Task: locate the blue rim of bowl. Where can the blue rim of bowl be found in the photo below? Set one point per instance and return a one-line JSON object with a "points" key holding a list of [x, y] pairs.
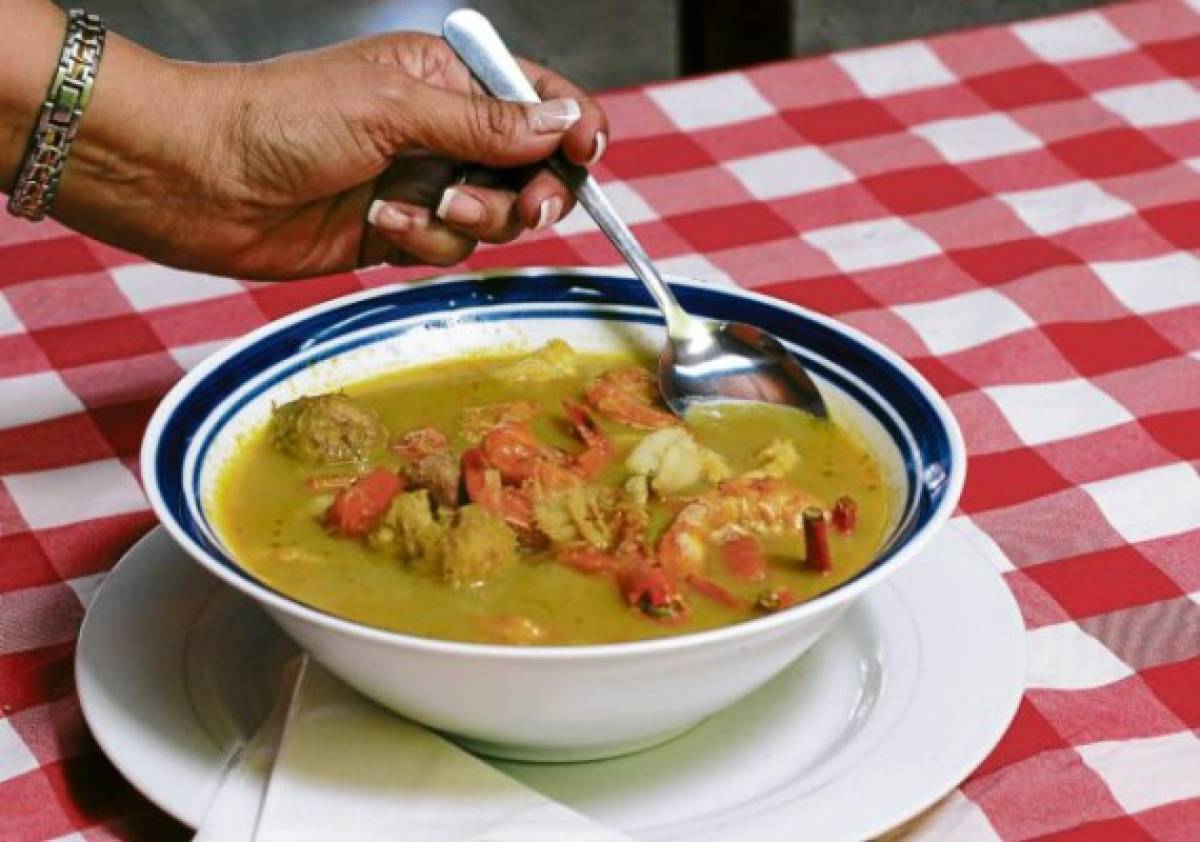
{"points": [[193, 413]]}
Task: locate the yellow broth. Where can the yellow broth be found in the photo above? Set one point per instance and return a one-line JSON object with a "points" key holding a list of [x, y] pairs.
{"points": [[272, 521]]}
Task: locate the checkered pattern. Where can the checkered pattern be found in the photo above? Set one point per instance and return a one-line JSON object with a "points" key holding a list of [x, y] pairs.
{"points": [[1016, 210]]}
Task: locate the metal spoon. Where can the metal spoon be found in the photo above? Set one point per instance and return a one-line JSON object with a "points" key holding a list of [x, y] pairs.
{"points": [[703, 361]]}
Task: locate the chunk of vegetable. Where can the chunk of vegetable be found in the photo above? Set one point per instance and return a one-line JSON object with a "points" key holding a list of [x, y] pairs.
{"points": [[554, 360], [327, 430], [652, 591], [777, 459], [674, 461], [584, 513], [410, 529], [816, 539], [774, 599], [637, 489], [845, 514], [356, 510]]}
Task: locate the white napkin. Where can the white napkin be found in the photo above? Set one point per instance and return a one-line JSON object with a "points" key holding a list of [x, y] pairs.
{"points": [[350, 771]]}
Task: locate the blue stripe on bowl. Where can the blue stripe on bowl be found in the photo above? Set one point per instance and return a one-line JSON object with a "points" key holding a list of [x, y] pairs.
{"points": [[870, 379]]}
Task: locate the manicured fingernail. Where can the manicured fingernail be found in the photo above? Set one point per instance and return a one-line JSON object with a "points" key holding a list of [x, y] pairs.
{"points": [[388, 217], [554, 116], [548, 212], [460, 207], [599, 145]]}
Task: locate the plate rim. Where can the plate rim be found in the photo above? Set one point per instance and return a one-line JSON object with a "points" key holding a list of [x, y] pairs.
{"points": [[1001, 717]]}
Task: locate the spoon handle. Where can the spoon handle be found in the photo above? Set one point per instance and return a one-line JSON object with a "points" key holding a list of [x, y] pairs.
{"points": [[478, 44]]}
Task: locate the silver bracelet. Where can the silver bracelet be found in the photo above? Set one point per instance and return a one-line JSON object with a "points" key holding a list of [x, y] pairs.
{"points": [[36, 187]]}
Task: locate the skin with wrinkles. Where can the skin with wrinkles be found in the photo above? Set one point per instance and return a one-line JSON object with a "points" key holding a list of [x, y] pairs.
{"points": [[267, 170]]}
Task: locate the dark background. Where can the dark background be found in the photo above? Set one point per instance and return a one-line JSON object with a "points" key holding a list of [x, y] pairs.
{"points": [[598, 43]]}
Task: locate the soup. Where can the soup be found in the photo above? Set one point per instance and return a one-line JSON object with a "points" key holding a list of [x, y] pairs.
{"points": [[547, 498]]}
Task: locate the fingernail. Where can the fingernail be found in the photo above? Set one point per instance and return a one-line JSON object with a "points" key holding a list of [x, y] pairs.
{"points": [[548, 212], [601, 143], [460, 207], [388, 217], [554, 115]]}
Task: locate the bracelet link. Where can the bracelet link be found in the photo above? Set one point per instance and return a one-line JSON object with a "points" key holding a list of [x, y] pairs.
{"points": [[37, 185]]}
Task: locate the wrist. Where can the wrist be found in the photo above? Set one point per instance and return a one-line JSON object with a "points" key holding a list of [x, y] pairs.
{"points": [[29, 52], [143, 164]]}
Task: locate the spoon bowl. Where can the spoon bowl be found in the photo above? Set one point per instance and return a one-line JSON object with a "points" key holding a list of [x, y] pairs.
{"points": [[702, 362], [734, 361]]}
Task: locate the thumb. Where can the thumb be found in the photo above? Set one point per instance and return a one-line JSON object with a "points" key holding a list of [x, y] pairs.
{"points": [[484, 130]]}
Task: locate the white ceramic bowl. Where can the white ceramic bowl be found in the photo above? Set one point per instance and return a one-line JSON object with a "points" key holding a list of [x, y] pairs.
{"points": [[542, 703]]}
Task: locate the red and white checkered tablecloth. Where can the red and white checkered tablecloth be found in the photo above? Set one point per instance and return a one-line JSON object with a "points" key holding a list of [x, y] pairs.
{"points": [[1016, 210]]}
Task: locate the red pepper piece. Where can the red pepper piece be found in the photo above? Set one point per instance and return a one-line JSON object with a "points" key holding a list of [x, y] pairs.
{"points": [[597, 450], [652, 591], [475, 475], [845, 514], [711, 590], [744, 559], [816, 539], [356, 510]]}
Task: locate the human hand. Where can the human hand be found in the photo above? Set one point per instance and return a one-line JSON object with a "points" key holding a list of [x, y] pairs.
{"points": [[271, 170]]}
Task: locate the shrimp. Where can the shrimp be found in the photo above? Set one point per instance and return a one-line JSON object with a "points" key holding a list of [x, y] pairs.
{"points": [[477, 421], [515, 475], [628, 395], [759, 507], [515, 451], [597, 449], [484, 487]]}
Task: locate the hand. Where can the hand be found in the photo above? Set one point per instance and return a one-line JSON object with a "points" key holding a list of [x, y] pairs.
{"points": [[272, 170]]}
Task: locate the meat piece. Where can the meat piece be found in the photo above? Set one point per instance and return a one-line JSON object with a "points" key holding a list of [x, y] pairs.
{"points": [[327, 430], [477, 547], [675, 461], [438, 472], [423, 441]]}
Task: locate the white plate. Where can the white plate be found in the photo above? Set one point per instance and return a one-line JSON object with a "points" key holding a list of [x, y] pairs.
{"points": [[881, 718]]}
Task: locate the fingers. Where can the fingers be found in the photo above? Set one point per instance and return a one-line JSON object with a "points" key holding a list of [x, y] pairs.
{"points": [[413, 232], [485, 214], [480, 129], [585, 141], [543, 201]]}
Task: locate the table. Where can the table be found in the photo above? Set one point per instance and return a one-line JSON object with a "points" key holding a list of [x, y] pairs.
{"points": [[1016, 210]]}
